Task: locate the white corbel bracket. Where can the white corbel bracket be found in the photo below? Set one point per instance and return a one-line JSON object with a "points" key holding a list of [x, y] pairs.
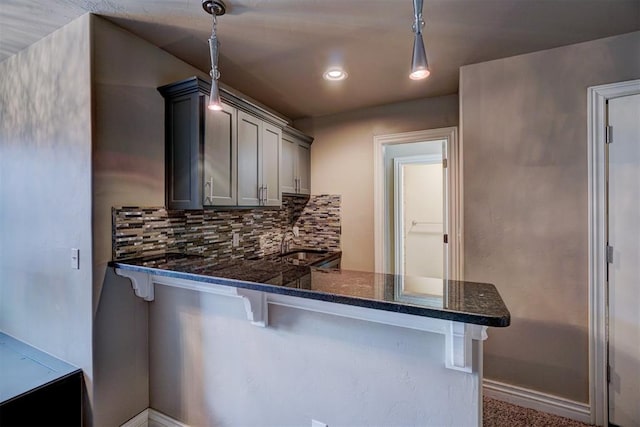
{"points": [[458, 344], [255, 302], [459, 336], [140, 281], [256, 306]]}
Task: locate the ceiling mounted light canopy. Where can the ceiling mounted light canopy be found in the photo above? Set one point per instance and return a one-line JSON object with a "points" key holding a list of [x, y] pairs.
{"points": [[215, 8], [334, 74], [419, 64]]}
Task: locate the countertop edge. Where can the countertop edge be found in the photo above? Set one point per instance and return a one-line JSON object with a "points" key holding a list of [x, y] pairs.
{"points": [[397, 307]]}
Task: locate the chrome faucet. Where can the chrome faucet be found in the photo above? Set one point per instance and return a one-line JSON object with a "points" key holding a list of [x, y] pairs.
{"points": [[284, 245]]}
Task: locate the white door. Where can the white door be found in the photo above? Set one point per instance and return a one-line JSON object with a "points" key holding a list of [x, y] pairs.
{"points": [[624, 271], [420, 190]]}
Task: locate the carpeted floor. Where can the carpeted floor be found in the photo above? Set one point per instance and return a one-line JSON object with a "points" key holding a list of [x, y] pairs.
{"points": [[502, 414]]}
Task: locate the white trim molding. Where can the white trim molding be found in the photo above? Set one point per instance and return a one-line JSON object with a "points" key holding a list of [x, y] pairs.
{"points": [[144, 418], [458, 336], [454, 170], [539, 401], [597, 121], [140, 420]]}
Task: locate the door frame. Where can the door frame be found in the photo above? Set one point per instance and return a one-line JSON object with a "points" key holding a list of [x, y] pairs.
{"points": [[398, 206], [454, 171], [597, 122]]}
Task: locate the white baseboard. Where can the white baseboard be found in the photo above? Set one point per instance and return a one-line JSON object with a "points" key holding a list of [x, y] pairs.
{"points": [[500, 391], [140, 420], [537, 400], [152, 418]]}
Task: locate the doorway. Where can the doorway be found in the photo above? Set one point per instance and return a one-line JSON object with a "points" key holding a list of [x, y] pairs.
{"points": [[614, 192], [420, 226], [414, 156]]}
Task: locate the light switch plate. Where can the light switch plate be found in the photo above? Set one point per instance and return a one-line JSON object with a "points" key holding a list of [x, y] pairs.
{"points": [[296, 231], [75, 259], [236, 240]]}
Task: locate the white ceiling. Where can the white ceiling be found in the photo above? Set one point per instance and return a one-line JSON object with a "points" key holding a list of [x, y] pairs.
{"points": [[276, 50]]}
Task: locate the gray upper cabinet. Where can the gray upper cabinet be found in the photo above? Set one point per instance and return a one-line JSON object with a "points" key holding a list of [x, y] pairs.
{"points": [[303, 151], [296, 162], [271, 155], [220, 158], [183, 151], [288, 166], [220, 154], [259, 153], [249, 160]]}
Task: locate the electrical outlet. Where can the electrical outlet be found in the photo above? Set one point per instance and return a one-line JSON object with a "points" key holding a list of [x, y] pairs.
{"points": [[296, 231], [316, 423], [235, 240]]}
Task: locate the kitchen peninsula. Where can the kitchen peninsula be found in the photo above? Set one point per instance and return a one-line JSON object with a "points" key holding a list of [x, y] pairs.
{"points": [[462, 312], [243, 336]]}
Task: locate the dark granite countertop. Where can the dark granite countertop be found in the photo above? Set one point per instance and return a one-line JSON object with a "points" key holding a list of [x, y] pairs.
{"points": [[469, 302]]}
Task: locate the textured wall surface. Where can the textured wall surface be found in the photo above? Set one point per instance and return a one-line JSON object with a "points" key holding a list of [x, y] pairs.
{"points": [[128, 169], [342, 162], [211, 367], [45, 195], [524, 130]]}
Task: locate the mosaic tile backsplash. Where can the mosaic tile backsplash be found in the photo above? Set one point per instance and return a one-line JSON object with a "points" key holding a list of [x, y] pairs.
{"points": [[139, 231]]}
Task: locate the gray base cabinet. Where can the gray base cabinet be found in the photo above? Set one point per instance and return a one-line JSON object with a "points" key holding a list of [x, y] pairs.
{"points": [[296, 162], [223, 158]]}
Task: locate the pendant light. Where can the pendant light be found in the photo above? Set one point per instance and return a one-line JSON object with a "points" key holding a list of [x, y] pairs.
{"points": [[419, 64], [215, 8]]}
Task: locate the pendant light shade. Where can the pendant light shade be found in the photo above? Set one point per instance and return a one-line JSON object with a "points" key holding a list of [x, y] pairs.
{"points": [[214, 97], [215, 8], [419, 64]]}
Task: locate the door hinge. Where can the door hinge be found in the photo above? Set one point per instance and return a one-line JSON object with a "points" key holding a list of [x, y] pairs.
{"points": [[610, 254], [444, 163], [607, 134], [446, 238]]}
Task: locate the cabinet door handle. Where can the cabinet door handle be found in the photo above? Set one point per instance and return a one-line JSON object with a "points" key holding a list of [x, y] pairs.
{"points": [[210, 196], [266, 194], [297, 185]]}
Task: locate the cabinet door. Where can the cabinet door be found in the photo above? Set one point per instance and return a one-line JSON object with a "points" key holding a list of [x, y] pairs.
{"points": [[303, 151], [271, 154], [287, 167], [249, 159], [183, 150], [220, 158]]}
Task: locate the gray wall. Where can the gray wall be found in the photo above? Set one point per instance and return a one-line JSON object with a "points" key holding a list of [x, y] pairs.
{"points": [[128, 169], [45, 195], [210, 366], [524, 130], [342, 161]]}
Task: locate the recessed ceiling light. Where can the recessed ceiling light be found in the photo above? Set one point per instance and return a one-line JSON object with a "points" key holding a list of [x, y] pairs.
{"points": [[334, 74]]}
